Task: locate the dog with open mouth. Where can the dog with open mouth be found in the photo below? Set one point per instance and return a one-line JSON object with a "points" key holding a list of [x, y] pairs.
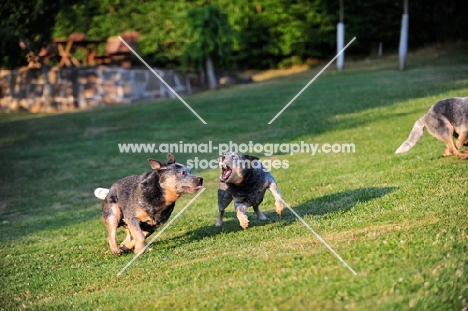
{"points": [[142, 203], [244, 179]]}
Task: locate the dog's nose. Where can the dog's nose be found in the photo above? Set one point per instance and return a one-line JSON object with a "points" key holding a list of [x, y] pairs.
{"points": [[200, 180]]}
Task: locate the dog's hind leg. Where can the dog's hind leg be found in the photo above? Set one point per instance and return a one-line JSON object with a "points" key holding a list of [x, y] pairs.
{"points": [[462, 140], [260, 215], [278, 199], [111, 216], [445, 133]]}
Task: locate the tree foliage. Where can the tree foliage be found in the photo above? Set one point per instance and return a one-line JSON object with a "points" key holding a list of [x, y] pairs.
{"points": [[209, 35], [268, 31], [210, 40], [29, 21], [430, 21]]}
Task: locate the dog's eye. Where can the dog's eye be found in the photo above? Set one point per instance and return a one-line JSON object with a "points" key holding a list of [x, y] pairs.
{"points": [[184, 173]]}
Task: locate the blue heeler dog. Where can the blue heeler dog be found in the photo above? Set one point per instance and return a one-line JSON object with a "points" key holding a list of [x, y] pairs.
{"points": [[446, 119], [142, 203], [244, 179]]}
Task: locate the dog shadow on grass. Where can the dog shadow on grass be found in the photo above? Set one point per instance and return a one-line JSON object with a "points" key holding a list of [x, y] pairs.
{"points": [[340, 202]]}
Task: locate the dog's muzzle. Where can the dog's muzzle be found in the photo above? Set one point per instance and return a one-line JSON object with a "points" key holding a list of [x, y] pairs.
{"points": [[197, 184]]}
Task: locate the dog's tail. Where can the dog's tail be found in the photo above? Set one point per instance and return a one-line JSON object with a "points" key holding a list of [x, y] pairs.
{"points": [[101, 193], [415, 135]]}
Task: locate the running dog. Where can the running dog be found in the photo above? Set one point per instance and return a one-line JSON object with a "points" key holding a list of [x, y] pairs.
{"points": [[244, 179], [142, 203], [446, 119]]}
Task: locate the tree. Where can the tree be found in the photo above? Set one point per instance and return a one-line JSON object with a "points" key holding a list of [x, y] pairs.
{"points": [[211, 39], [268, 32], [25, 21]]}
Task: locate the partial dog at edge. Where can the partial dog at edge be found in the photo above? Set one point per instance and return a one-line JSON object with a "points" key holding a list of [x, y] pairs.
{"points": [[446, 119], [244, 179], [142, 203]]}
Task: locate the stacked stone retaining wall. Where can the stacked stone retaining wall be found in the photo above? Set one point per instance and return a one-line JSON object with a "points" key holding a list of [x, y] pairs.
{"points": [[78, 88]]}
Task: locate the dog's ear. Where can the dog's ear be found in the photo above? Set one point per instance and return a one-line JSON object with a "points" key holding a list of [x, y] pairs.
{"points": [[251, 158], [170, 158], [156, 165]]}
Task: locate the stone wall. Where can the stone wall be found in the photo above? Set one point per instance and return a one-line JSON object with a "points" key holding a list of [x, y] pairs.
{"points": [[76, 88]]}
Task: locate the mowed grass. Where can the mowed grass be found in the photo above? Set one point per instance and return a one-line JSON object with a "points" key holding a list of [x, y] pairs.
{"points": [[400, 221]]}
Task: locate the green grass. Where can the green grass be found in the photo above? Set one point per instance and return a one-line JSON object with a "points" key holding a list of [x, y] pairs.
{"points": [[400, 221]]}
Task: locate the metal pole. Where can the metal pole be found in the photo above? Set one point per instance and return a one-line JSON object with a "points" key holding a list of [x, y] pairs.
{"points": [[403, 50], [340, 38]]}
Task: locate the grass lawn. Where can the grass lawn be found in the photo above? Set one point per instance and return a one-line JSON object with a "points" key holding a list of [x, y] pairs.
{"points": [[400, 221]]}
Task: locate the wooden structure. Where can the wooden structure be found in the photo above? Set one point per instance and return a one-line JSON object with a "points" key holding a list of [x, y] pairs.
{"points": [[117, 51], [78, 51]]}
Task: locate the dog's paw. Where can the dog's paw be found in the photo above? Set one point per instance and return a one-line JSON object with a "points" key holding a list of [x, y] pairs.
{"points": [[139, 246], [262, 217], [116, 251], [219, 220], [125, 249], [447, 152], [279, 208], [137, 251], [243, 220]]}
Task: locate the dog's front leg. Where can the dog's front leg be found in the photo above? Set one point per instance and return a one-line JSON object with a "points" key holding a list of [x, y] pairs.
{"points": [[220, 219], [240, 210], [278, 199], [224, 198], [137, 234]]}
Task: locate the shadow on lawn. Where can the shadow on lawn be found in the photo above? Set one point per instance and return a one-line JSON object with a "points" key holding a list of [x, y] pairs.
{"points": [[341, 202], [325, 206]]}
